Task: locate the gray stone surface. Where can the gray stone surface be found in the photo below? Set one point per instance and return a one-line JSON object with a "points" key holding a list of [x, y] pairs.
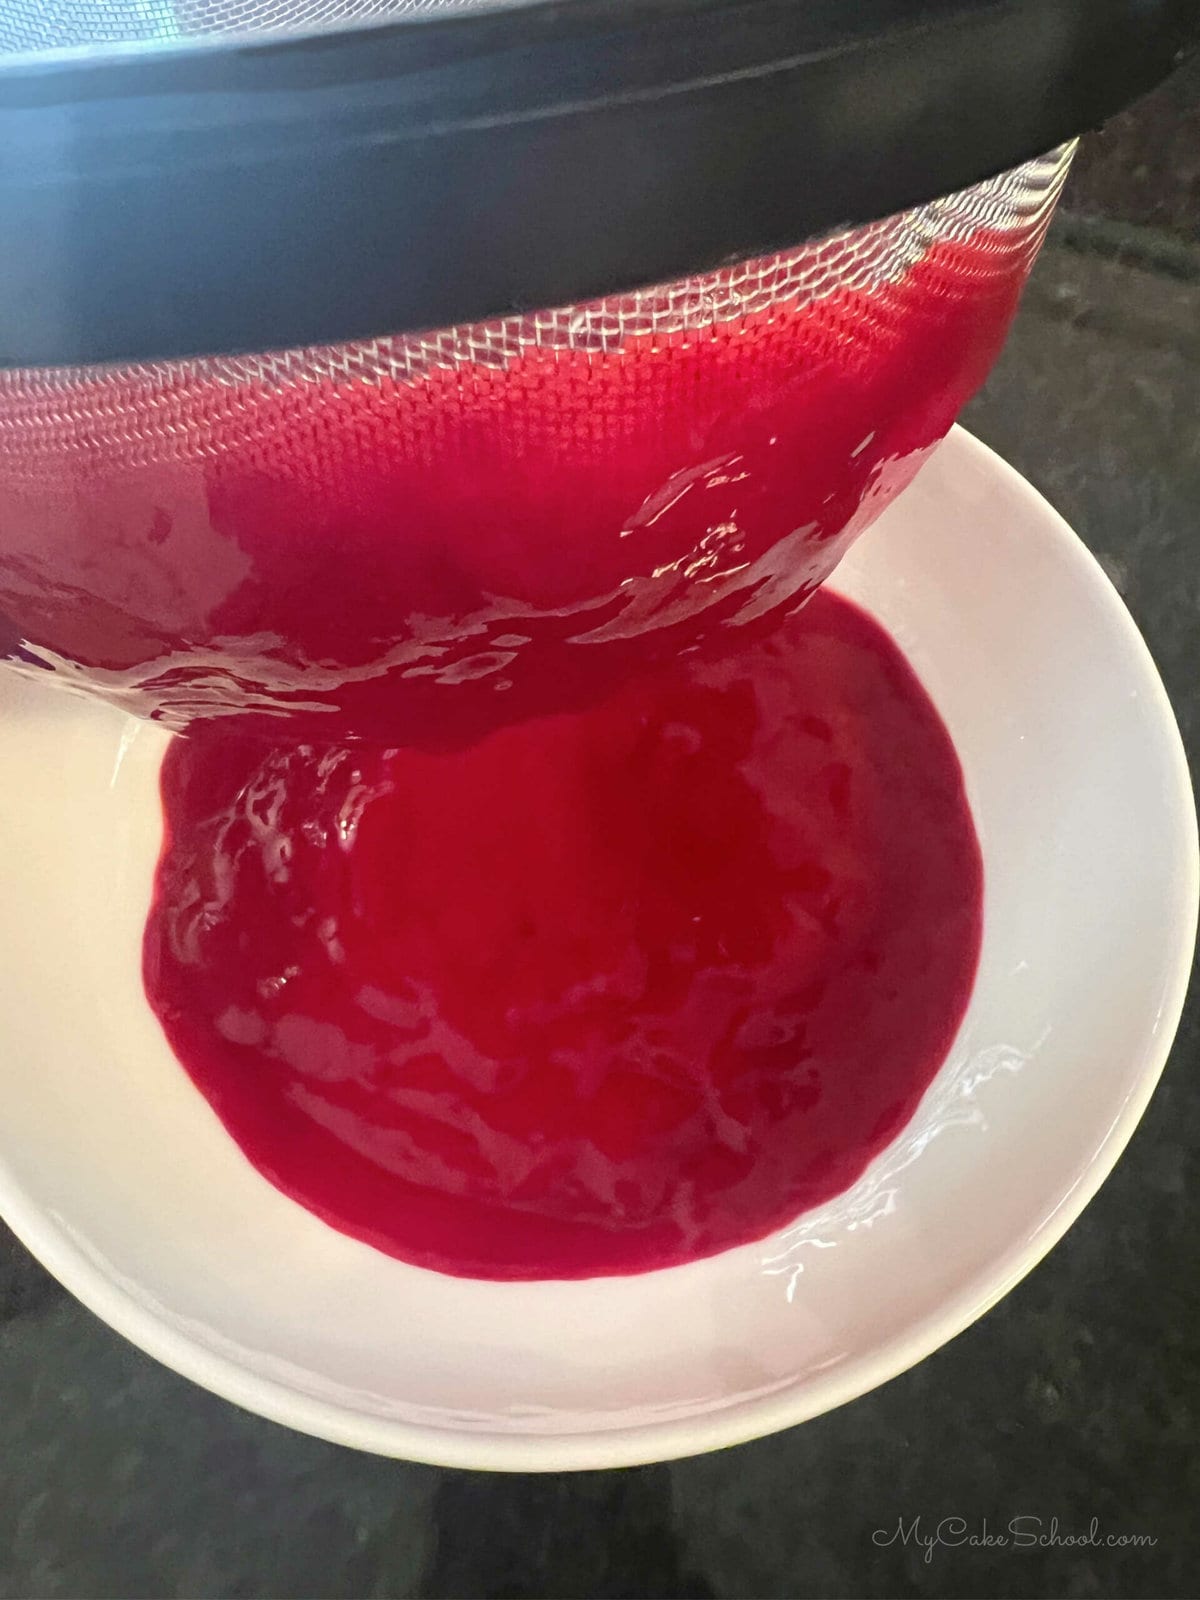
{"points": [[1078, 1397]]}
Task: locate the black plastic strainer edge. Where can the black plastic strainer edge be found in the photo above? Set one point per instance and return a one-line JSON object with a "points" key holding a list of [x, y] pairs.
{"points": [[241, 195]]}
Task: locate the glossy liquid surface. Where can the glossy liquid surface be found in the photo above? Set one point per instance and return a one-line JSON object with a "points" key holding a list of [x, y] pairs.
{"points": [[605, 992]]}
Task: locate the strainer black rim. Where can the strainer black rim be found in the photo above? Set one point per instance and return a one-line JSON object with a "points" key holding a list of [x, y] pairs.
{"points": [[248, 194]]}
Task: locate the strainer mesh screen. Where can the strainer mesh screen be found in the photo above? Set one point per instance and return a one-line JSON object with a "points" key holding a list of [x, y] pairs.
{"points": [[142, 412], [31, 25], [432, 533]]}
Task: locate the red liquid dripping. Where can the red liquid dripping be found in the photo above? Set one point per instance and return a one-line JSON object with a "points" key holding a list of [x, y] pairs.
{"points": [[423, 562], [605, 992]]}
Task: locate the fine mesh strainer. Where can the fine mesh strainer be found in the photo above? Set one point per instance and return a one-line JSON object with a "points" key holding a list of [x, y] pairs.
{"points": [[233, 482], [35, 25]]}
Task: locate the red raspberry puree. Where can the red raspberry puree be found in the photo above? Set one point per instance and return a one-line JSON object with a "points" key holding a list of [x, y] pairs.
{"points": [[606, 991]]}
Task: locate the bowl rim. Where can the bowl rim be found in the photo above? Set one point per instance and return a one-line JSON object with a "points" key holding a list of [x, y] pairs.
{"points": [[743, 1419]]}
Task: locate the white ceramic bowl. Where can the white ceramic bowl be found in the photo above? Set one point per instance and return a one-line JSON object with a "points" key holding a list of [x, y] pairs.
{"points": [[117, 1175]]}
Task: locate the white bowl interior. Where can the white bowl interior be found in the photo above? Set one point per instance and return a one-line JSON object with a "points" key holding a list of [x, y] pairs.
{"points": [[115, 1171]]}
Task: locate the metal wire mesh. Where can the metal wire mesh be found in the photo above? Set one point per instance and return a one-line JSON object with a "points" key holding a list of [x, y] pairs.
{"points": [[146, 412], [34, 25], [421, 537]]}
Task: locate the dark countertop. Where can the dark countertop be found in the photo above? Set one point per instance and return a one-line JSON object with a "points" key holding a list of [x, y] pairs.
{"points": [[1077, 1398]]}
